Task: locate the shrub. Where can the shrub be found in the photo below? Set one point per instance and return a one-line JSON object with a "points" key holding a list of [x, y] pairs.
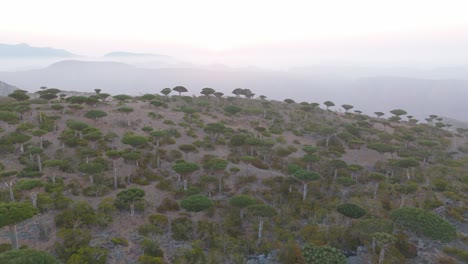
{"points": [[168, 205], [196, 203], [28, 184], [159, 221], [424, 223], [126, 197], [27, 256], [259, 164], [351, 210], [323, 255], [119, 241], [405, 247], [181, 228], [459, 253]]}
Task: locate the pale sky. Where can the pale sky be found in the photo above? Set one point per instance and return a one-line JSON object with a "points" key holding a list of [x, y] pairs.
{"points": [[94, 27]]}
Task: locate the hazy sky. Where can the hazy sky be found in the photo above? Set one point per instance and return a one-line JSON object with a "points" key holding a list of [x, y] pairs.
{"points": [[337, 30]]}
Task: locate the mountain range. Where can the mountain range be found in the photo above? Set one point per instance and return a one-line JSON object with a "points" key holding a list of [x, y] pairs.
{"points": [[25, 51], [420, 97]]}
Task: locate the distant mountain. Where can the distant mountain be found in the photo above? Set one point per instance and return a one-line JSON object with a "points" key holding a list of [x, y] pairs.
{"points": [[25, 51], [419, 97], [131, 54], [146, 60], [6, 89]]}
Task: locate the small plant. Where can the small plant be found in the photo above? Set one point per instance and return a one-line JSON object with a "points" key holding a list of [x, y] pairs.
{"points": [[119, 241]]}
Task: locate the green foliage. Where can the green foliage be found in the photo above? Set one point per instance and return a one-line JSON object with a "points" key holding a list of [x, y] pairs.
{"points": [[129, 196], [424, 223], [150, 260], [89, 255], [398, 112], [351, 210], [232, 109], [196, 203], [305, 175], [262, 210], [27, 256], [80, 214], [91, 168], [185, 168], [15, 212], [122, 97], [459, 253], [95, 114], [160, 221], [242, 200], [27, 184], [19, 95], [70, 241], [323, 255], [8, 117], [381, 147], [119, 241], [215, 164], [134, 140], [76, 125], [373, 225], [182, 228], [168, 204]]}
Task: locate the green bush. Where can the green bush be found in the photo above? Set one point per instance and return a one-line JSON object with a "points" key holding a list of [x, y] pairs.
{"points": [[5, 247], [459, 253], [168, 204], [130, 196], [27, 184], [196, 203], [119, 241], [323, 255], [424, 223], [351, 210], [150, 260], [182, 228], [259, 164], [27, 256]]}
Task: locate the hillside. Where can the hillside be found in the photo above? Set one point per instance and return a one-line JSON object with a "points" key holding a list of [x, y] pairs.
{"points": [[6, 89], [213, 179]]}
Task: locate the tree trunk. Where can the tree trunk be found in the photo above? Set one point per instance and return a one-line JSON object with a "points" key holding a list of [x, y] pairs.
{"points": [[407, 173], [260, 230], [376, 189], [382, 254], [132, 209], [91, 179], [40, 143], [220, 184], [335, 174], [14, 236], [185, 184], [115, 178], [9, 185], [304, 193], [39, 163], [402, 202], [241, 213], [34, 199]]}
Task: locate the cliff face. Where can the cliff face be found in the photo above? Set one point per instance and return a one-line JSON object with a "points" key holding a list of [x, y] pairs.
{"points": [[6, 89]]}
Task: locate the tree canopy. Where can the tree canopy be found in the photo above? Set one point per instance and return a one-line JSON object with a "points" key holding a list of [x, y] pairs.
{"points": [[425, 223], [196, 203]]}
